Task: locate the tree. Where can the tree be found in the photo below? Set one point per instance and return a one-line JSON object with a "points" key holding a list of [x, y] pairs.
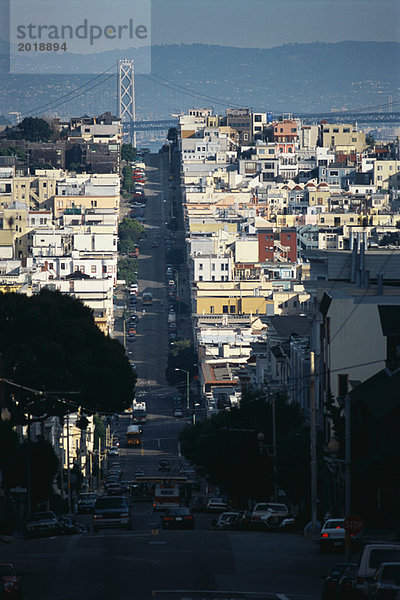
{"points": [[369, 139], [50, 342], [127, 174], [226, 448], [129, 233], [181, 356], [33, 129], [128, 152], [172, 135], [127, 270]]}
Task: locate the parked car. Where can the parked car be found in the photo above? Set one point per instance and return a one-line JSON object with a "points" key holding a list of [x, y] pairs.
{"points": [[86, 502], [70, 526], [178, 517], [114, 489], [347, 589], [331, 583], [113, 451], [371, 557], [276, 522], [41, 523], [227, 520], [178, 412], [217, 505], [111, 511], [263, 509], [333, 535], [10, 583], [164, 465], [386, 581]]}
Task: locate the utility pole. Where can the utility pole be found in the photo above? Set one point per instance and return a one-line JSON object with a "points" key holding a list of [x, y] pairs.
{"points": [[68, 469], [274, 446], [313, 444], [347, 487]]}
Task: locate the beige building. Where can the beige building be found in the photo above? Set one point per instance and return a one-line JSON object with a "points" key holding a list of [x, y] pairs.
{"points": [[342, 135], [386, 174]]}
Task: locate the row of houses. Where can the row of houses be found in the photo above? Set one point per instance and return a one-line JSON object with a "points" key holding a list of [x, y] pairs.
{"points": [[290, 265], [59, 230]]}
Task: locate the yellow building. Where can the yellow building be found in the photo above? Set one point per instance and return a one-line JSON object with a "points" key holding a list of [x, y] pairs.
{"points": [[36, 189], [58, 204], [334, 219], [232, 305], [15, 229], [386, 174], [345, 135], [319, 197]]}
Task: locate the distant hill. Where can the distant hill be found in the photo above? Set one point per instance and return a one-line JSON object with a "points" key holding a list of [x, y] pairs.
{"points": [[293, 78]]}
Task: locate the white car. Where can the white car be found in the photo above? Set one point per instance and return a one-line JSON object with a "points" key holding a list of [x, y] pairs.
{"points": [[265, 509], [113, 451], [178, 412], [333, 535], [217, 505]]}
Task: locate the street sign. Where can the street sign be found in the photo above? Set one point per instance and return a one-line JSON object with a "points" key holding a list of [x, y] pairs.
{"points": [[353, 524]]}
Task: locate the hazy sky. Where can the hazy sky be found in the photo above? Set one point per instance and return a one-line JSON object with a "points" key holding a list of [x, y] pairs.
{"points": [[268, 23]]}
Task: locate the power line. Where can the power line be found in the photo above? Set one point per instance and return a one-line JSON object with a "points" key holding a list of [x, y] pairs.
{"points": [[47, 104]]}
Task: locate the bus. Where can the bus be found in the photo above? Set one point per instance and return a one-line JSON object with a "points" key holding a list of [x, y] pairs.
{"points": [[145, 488], [166, 495], [147, 298], [133, 435], [139, 412]]}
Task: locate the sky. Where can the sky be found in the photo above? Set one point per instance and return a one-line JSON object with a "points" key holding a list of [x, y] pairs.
{"points": [[247, 23], [269, 23]]}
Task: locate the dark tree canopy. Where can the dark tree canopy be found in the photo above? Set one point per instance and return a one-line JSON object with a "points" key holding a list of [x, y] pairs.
{"points": [[33, 129], [50, 342], [128, 152]]}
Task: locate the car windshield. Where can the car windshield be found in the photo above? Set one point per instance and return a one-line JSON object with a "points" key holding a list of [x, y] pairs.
{"points": [[41, 515], [178, 512], [338, 569], [391, 573], [6, 570], [380, 555], [334, 524], [262, 507], [111, 503]]}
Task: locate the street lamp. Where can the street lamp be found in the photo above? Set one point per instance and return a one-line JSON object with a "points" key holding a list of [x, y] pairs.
{"points": [[187, 386]]}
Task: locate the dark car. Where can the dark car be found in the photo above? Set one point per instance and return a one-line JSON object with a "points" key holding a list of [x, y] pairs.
{"points": [[331, 584], [10, 586], [178, 517], [86, 502], [347, 583], [42, 523], [111, 511], [70, 526], [164, 465]]}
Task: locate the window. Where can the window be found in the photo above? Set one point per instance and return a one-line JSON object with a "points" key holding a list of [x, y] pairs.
{"points": [[379, 177], [232, 310], [213, 267], [62, 266], [257, 118], [379, 168], [104, 268], [225, 309], [322, 220], [81, 268], [212, 310], [200, 277], [200, 266], [293, 130], [93, 269], [353, 139]]}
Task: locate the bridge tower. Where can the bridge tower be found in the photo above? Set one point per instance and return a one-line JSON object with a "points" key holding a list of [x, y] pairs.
{"points": [[126, 94]]}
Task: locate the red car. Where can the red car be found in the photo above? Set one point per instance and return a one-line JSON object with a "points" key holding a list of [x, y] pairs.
{"points": [[9, 582]]}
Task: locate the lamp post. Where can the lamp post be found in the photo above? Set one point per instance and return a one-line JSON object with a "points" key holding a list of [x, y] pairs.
{"points": [[187, 386]]}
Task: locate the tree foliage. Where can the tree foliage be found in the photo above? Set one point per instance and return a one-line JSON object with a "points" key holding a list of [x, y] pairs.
{"points": [[181, 356], [33, 129], [128, 152], [129, 233], [50, 342], [127, 270], [226, 448]]}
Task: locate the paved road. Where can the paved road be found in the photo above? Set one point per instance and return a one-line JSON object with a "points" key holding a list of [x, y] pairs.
{"points": [[148, 562]]}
